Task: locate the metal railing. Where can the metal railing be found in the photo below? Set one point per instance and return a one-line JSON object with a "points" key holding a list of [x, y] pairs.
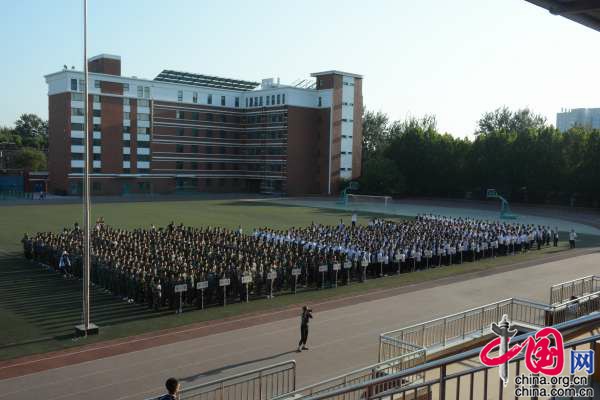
{"points": [[562, 292], [572, 309], [456, 328], [456, 377], [258, 384], [365, 374]]}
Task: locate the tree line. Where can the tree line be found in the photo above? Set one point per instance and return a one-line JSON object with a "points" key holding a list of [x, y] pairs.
{"points": [[515, 152], [25, 146]]}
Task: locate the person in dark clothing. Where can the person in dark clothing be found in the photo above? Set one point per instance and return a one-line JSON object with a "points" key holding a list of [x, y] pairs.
{"points": [[172, 386], [305, 318]]}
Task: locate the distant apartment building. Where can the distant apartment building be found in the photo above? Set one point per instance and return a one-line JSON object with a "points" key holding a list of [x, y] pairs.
{"points": [[585, 117], [189, 132]]}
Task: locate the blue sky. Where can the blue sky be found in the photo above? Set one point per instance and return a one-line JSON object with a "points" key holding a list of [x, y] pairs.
{"points": [[454, 59]]}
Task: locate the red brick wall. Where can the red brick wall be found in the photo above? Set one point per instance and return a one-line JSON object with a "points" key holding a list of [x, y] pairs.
{"points": [[308, 132], [59, 141], [105, 66], [112, 129], [357, 130]]}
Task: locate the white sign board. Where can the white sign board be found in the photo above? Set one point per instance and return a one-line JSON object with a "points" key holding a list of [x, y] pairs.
{"points": [[272, 275], [364, 263], [322, 268], [224, 282], [337, 266], [347, 265], [246, 279], [296, 272], [181, 288], [202, 285]]}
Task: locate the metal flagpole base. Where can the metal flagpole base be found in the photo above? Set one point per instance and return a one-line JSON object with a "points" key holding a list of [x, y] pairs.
{"points": [[92, 329]]}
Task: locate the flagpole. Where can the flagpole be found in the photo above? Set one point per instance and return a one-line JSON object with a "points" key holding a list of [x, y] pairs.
{"points": [[86, 327]]}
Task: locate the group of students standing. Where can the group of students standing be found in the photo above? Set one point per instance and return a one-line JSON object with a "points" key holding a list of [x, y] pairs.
{"points": [[217, 265]]}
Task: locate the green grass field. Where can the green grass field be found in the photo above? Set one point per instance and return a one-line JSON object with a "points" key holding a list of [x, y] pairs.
{"points": [[39, 309]]}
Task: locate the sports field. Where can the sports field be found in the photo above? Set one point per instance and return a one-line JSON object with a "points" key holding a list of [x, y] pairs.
{"points": [[38, 309]]}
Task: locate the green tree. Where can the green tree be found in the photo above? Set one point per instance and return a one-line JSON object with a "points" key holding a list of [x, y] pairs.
{"points": [[507, 121], [30, 159], [381, 176], [375, 133], [32, 130]]}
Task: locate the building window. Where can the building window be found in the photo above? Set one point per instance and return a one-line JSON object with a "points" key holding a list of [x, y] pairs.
{"points": [[222, 150], [256, 101], [208, 133], [179, 131], [97, 157], [278, 99], [97, 142], [222, 134], [140, 91], [209, 99], [76, 156], [127, 129], [126, 143], [195, 97], [74, 84], [179, 148], [97, 84], [195, 116], [126, 87], [76, 127], [261, 101], [147, 92], [208, 150], [126, 157], [143, 157], [320, 102], [96, 98], [143, 103], [143, 117], [77, 96], [194, 165], [76, 111], [222, 100], [223, 118], [179, 165], [195, 148], [237, 102], [126, 116], [179, 114], [267, 100], [96, 186], [196, 132], [246, 102], [143, 131], [251, 101], [97, 113], [180, 95], [209, 117], [126, 101], [283, 98]]}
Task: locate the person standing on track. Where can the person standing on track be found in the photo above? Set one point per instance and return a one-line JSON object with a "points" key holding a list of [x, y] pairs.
{"points": [[304, 319]]}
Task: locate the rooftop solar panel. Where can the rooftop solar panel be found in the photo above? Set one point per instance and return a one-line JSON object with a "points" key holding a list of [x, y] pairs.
{"points": [[204, 80]]}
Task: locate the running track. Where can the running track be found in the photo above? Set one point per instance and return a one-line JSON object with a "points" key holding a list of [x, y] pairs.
{"points": [[341, 339]]}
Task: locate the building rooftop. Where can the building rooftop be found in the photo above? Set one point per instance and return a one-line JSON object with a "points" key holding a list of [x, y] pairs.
{"points": [[585, 12], [188, 78]]}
